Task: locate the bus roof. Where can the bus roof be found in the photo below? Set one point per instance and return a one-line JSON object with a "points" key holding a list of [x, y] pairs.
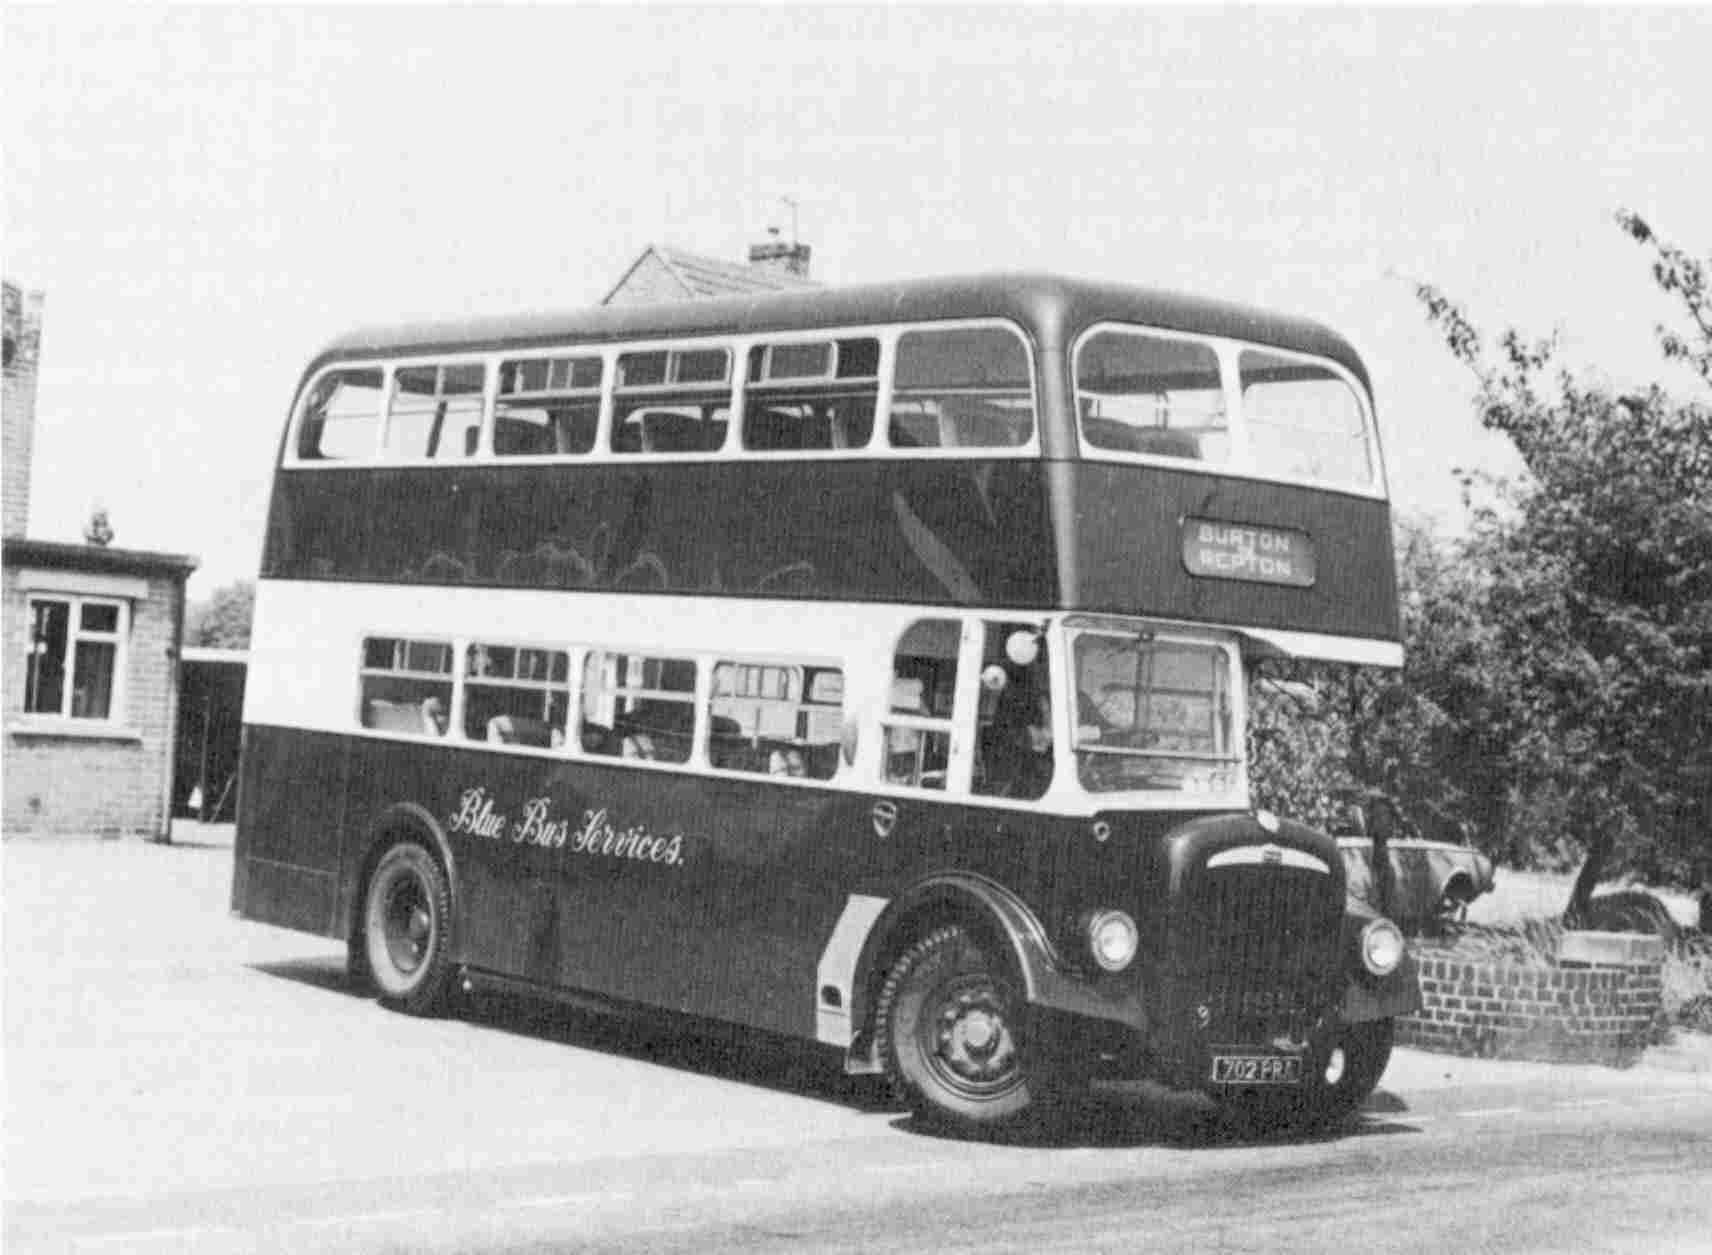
{"points": [[1054, 307]]}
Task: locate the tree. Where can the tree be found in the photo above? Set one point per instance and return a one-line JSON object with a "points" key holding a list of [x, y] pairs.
{"points": [[98, 531], [223, 621], [1596, 586], [1430, 736]]}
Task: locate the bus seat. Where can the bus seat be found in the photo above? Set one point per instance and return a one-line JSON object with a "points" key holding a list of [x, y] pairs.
{"points": [[517, 730], [388, 716], [573, 430], [664, 431], [518, 437], [767, 428], [726, 744], [822, 761], [472, 440], [1165, 442]]}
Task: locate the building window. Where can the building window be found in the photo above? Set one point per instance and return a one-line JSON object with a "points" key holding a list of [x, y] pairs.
{"points": [[76, 648]]}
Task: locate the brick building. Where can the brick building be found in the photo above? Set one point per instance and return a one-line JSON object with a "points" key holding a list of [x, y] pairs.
{"points": [[90, 650]]}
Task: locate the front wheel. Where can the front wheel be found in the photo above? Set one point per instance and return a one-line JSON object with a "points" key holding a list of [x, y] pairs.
{"points": [[951, 1031], [1350, 1070], [407, 929]]}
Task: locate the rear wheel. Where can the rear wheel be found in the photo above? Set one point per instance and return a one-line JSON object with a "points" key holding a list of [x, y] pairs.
{"points": [[953, 1037], [407, 929]]}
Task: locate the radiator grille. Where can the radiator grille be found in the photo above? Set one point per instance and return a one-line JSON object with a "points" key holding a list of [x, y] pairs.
{"points": [[1257, 947]]}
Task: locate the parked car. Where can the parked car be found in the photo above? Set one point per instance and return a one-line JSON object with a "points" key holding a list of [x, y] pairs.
{"points": [[1431, 880]]}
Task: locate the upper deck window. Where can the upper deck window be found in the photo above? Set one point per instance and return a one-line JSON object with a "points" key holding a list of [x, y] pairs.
{"points": [[810, 397], [1152, 394], [547, 405], [436, 411], [341, 418], [961, 388], [672, 401], [1304, 420]]}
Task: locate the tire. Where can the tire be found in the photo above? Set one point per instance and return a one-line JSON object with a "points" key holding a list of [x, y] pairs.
{"points": [[953, 1035], [407, 929], [1350, 1070]]}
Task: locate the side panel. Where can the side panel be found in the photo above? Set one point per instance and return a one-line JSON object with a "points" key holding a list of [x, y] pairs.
{"points": [[947, 531], [289, 851]]}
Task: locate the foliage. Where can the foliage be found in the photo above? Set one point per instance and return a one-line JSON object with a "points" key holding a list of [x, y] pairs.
{"points": [[1556, 701], [1596, 584], [99, 530], [223, 621], [1431, 736]]}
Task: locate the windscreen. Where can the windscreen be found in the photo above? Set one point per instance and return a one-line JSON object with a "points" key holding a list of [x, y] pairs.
{"points": [[1154, 714]]}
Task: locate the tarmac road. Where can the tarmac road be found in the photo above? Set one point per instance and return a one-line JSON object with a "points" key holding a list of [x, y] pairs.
{"points": [[179, 1080]]}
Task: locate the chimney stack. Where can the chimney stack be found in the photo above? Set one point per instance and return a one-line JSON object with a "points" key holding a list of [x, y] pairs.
{"points": [[23, 327], [782, 258]]}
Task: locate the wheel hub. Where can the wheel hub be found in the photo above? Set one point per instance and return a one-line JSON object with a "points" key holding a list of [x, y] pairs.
{"points": [[409, 926], [972, 1039]]}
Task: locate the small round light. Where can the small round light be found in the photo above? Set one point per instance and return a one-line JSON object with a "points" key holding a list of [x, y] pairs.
{"points": [[1022, 648], [1381, 947], [1113, 938]]}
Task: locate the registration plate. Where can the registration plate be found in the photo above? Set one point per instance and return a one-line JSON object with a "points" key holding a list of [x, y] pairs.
{"points": [[1257, 1069]]}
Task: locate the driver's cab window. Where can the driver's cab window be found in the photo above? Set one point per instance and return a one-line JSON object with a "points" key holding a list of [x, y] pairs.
{"points": [[916, 730]]}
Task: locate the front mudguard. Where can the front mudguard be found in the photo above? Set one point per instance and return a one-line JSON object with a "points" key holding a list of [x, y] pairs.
{"points": [[1370, 997]]}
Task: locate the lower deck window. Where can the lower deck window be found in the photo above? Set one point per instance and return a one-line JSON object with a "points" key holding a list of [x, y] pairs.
{"points": [[406, 686], [781, 719], [516, 696], [637, 706]]}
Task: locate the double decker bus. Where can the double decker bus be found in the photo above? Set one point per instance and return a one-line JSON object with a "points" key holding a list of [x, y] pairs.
{"points": [[862, 665]]}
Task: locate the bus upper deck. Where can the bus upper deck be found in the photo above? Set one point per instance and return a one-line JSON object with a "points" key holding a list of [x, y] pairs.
{"points": [[1023, 442]]}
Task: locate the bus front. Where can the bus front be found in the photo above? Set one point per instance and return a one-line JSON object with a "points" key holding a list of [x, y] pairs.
{"points": [[1227, 506]]}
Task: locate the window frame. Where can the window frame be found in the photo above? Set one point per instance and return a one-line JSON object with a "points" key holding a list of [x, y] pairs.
{"points": [[440, 364], [737, 384], [75, 633], [803, 665], [1241, 462], [1071, 627]]}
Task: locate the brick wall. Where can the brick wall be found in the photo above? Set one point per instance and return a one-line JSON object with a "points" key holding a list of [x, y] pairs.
{"points": [[108, 786], [23, 335], [1596, 1013]]}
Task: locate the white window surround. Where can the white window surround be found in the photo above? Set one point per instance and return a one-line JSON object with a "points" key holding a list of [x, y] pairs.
{"points": [[63, 722], [738, 347]]}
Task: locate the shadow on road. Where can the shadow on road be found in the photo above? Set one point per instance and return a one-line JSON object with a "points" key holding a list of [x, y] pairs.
{"points": [[1143, 1114], [704, 1048], [1113, 1116]]}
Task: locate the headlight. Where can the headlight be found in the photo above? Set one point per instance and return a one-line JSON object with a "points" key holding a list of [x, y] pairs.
{"points": [[1381, 947], [1113, 938]]}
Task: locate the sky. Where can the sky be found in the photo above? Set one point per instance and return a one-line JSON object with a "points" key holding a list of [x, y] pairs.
{"points": [[207, 195]]}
